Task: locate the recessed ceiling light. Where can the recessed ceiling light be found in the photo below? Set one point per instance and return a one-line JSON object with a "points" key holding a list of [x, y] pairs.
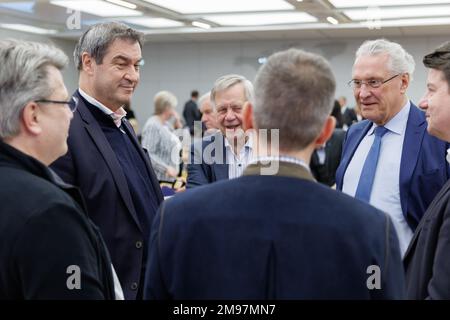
{"points": [[97, 8], [201, 25], [19, 6], [123, 4], [254, 19], [380, 3], [154, 22], [392, 13], [208, 6], [26, 28], [332, 20], [413, 22]]}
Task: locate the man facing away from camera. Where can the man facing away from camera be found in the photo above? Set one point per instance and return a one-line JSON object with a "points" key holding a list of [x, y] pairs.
{"points": [[275, 233]]}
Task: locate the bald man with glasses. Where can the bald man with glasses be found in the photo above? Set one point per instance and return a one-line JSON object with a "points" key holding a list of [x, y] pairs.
{"points": [[389, 160]]}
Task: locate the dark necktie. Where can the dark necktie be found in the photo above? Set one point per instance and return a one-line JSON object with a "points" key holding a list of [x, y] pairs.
{"points": [[365, 183]]}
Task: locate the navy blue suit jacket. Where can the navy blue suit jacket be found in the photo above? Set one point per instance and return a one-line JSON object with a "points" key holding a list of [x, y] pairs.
{"points": [[92, 165], [271, 237], [207, 162], [423, 168]]}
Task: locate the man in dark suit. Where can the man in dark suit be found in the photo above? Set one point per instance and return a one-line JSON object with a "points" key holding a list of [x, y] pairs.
{"points": [[325, 159], [348, 115], [224, 154], [427, 260], [389, 160], [191, 113], [275, 233], [104, 158], [49, 248]]}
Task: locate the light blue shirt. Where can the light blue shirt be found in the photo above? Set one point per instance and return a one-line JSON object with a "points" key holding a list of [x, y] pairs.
{"points": [[386, 185]]}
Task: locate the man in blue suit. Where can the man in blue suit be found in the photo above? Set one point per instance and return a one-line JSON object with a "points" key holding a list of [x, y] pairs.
{"points": [[409, 166], [275, 233], [104, 159], [225, 154]]}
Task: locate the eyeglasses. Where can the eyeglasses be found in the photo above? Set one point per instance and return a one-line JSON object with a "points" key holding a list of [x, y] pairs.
{"points": [[72, 103], [373, 83]]}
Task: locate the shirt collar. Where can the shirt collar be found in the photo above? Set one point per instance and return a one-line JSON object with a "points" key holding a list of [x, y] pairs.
{"points": [[116, 116], [398, 123], [281, 158], [248, 145]]}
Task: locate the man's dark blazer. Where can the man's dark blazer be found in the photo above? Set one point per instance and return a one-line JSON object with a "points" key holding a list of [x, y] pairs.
{"points": [[191, 113], [207, 162], [92, 165], [423, 168], [427, 260], [326, 172], [349, 117], [271, 237]]}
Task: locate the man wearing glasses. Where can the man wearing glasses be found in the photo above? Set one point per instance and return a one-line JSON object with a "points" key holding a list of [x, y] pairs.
{"points": [[389, 160], [225, 154], [49, 248]]}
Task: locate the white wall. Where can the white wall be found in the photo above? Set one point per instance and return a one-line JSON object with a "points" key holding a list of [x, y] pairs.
{"points": [[181, 67]]}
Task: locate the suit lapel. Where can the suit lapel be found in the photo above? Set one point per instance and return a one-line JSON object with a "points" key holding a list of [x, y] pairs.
{"points": [[220, 170], [424, 219], [102, 144], [415, 130]]}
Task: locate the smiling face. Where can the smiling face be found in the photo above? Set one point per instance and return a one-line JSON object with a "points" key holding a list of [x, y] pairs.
{"points": [[436, 104], [229, 104], [379, 104], [115, 79]]}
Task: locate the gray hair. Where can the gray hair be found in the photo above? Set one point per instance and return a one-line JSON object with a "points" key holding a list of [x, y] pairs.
{"points": [[24, 78], [228, 81], [97, 39], [294, 92], [400, 61], [203, 98], [164, 100]]}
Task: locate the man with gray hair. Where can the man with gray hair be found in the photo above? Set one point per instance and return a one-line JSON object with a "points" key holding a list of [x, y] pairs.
{"points": [[281, 236], [49, 248], [105, 160], [208, 114], [389, 160], [225, 154]]}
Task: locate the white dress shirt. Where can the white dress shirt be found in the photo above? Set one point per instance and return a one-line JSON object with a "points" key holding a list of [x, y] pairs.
{"points": [[238, 162], [386, 185]]}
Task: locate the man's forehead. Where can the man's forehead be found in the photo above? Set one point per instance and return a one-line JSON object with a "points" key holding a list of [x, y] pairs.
{"points": [[121, 48]]}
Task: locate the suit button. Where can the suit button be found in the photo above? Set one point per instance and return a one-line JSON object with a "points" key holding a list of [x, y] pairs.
{"points": [[138, 244], [134, 286]]}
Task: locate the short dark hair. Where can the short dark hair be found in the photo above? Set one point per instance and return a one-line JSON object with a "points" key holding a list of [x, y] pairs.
{"points": [[97, 39], [194, 94], [439, 59]]}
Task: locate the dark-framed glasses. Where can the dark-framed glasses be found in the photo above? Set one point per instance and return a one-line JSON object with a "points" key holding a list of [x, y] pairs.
{"points": [[72, 103], [373, 83]]}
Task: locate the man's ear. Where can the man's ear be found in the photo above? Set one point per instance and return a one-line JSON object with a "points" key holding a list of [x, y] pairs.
{"points": [[30, 119], [87, 62], [327, 131], [247, 118], [405, 82]]}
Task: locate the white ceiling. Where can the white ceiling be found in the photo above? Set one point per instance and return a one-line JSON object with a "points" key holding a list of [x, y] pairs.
{"points": [[69, 24]]}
